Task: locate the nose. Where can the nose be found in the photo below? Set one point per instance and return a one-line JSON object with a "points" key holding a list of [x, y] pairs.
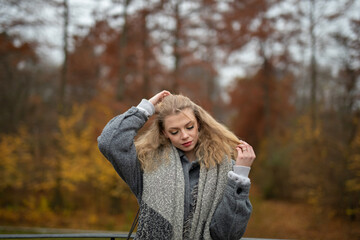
{"points": [[184, 135]]}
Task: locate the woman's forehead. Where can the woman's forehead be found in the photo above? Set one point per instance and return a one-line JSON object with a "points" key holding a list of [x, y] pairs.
{"points": [[179, 119]]}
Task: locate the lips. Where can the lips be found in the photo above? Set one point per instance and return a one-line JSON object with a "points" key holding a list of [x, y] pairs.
{"points": [[187, 144]]}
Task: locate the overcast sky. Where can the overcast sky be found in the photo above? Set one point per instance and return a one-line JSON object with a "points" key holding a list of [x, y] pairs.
{"points": [[82, 13]]}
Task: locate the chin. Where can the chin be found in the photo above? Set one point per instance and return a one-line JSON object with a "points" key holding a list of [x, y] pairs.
{"points": [[187, 149]]}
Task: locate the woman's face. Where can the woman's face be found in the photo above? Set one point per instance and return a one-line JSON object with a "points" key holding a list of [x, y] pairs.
{"points": [[182, 130]]}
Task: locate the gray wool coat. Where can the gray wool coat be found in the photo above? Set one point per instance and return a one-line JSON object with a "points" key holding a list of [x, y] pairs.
{"points": [[116, 143]]}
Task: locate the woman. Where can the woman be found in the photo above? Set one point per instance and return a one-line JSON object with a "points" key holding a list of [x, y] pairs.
{"points": [[180, 170]]}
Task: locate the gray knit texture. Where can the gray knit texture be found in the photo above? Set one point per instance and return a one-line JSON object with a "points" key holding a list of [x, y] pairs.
{"points": [[164, 193], [210, 192]]}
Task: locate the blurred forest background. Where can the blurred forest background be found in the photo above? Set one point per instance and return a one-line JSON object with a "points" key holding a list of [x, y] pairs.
{"points": [[282, 74]]}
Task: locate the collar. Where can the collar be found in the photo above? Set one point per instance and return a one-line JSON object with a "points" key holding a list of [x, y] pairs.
{"points": [[184, 158], [181, 153]]}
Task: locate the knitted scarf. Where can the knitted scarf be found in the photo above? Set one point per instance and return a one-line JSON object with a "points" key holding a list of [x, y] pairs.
{"points": [[162, 203]]}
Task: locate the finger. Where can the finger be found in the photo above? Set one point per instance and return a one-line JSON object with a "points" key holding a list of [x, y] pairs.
{"points": [[241, 145], [164, 94], [252, 151], [239, 150], [159, 96], [243, 142], [245, 147]]}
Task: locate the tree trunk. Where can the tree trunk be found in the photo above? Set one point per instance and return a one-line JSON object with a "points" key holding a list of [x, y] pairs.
{"points": [[177, 57], [313, 68], [57, 201], [145, 50], [122, 55], [267, 78], [63, 78]]}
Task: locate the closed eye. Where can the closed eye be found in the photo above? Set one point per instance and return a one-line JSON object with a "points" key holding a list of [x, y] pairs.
{"points": [[188, 128]]}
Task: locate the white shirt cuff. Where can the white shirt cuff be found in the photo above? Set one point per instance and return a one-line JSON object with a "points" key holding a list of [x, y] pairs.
{"points": [[146, 107], [241, 170], [240, 174]]}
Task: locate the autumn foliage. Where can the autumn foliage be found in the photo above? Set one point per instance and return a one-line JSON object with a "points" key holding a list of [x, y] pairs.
{"points": [[288, 101]]}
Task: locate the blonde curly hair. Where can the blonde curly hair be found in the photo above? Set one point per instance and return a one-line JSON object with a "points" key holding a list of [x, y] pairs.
{"points": [[216, 143]]}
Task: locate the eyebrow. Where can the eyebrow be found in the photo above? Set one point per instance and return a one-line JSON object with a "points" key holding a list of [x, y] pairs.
{"points": [[184, 125]]}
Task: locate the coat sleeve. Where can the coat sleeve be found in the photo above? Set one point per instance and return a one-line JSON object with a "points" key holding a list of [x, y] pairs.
{"points": [[233, 212], [116, 143]]}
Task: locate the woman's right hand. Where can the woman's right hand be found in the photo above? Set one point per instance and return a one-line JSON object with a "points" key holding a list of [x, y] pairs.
{"points": [[159, 97]]}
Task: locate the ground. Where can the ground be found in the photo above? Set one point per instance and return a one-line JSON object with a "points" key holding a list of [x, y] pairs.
{"points": [[270, 219], [289, 220]]}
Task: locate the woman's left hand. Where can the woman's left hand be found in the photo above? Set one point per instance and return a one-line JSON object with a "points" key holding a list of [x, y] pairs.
{"points": [[246, 154]]}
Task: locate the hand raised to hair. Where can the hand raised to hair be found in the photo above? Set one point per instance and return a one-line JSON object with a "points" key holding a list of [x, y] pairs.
{"points": [[246, 154], [159, 97]]}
